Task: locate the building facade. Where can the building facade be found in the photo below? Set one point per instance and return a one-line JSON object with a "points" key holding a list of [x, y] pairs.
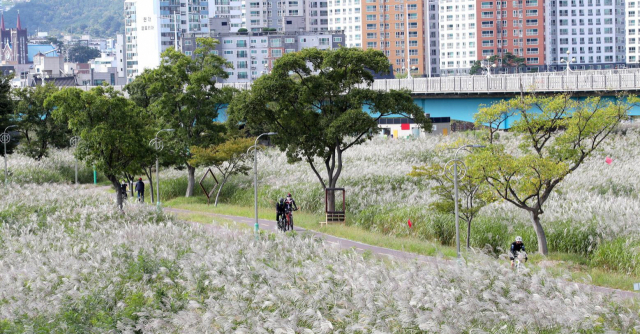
{"points": [[152, 26], [458, 36], [590, 31], [14, 44], [253, 54], [346, 15], [397, 29]]}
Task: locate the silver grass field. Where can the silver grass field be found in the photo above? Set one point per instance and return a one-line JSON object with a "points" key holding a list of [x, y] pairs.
{"points": [[71, 263]]}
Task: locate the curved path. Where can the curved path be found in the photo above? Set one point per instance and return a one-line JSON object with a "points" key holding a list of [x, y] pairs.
{"points": [[270, 225]]}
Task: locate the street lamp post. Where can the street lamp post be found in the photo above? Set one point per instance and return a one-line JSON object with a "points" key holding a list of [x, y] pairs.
{"points": [[255, 179], [454, 164], [5, 138], [157, 144], [568, 61], [74, 143], [488, 66]]}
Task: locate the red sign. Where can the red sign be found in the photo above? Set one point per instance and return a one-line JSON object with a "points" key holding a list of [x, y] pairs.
{"points": [[405, 126]]}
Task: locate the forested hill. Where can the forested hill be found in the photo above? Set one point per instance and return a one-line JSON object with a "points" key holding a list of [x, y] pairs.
{"points": [[102, 18]]}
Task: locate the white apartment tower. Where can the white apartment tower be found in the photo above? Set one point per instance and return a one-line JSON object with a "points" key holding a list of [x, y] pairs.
{"points": [[346, 15], [152, 26], [458, 36], [234, 11], [590, 31], [431, 36], [632, 26]]}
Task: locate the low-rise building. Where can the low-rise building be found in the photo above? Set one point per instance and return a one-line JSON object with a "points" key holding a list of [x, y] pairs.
{"points": [[404, 127], [253, 53]]}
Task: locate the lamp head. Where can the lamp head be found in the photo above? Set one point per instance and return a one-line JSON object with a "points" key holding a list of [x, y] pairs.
{"points": [[494, 65], [568, 52], [573, 59], [272, 133]]}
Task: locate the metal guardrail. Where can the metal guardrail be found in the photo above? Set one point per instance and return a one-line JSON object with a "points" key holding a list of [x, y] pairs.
{"points": [[583, 81], [506, 84]]}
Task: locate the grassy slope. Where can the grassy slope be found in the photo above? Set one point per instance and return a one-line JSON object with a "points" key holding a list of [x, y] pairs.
{"points": [[569, 266]]}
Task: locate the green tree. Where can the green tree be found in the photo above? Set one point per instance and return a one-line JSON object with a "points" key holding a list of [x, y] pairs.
{"points": [[316, 101], [229, 158], [473, 192], [111, 129], [511, 60], [36, 124], [476, 68], [6, 111], [82, 54], [557, 135], [184, 97]]}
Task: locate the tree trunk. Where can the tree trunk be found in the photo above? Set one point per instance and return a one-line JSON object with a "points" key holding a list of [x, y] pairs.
{"points": [[468, 233], [219, 190], [542, 238], [149, 174], [116, 185], [192, 180]]}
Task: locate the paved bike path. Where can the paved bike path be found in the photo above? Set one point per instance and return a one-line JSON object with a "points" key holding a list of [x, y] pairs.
{"points": [[270, 225]]}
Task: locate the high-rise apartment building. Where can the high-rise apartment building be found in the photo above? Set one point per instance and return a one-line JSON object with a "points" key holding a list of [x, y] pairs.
{"points": [[432, 38], [346, 15], [253, 54], [398, 29], [285, 15], [591, 31], [515, 27], [152, 26], [632, 26], [458, 36]]}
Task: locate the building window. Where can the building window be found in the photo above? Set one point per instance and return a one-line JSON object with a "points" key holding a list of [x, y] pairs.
{"points": [[289, 40]]}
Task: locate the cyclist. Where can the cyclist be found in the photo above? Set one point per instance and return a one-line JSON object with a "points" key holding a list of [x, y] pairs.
{"points": [[279, 209], [517, 247], [290, 204]]}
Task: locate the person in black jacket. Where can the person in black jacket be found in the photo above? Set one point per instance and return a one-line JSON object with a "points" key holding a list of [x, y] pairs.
{"points": [[516, 248], [140, 190], [279, 209]]}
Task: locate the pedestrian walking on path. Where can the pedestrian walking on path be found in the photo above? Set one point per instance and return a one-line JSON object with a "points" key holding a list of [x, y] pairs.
{"points": [[140, 190]]}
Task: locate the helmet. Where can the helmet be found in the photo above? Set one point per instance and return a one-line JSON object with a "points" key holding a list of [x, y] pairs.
{"points": [[281, 200], [289, 195], [518, 239]]}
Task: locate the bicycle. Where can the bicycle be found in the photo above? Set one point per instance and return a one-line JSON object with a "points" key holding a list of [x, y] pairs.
{"points": [[517, 263], [289, 219], [281, 223]]}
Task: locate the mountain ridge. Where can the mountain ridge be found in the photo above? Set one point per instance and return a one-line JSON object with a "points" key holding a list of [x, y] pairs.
{"points": [[100, 18]]}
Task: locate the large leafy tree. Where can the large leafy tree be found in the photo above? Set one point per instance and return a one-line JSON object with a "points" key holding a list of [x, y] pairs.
{"points": [[228, 158], [184, 97], [36, 124], [557, 135], [112, 130], [138, 91], [82, 54], [321, 104]]}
